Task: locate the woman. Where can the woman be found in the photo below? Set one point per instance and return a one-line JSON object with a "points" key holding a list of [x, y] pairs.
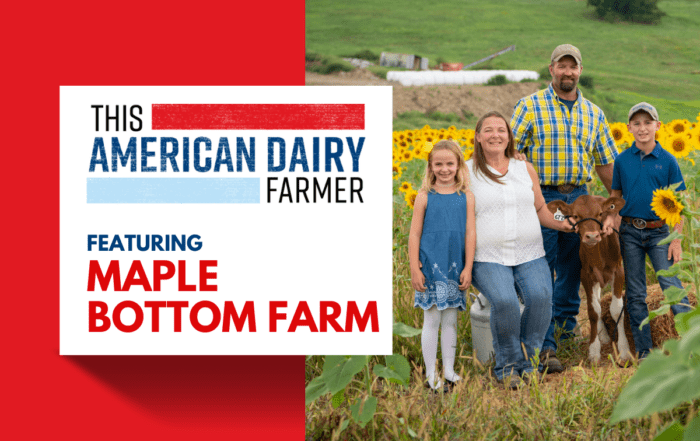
{"points": [[509, 261]]}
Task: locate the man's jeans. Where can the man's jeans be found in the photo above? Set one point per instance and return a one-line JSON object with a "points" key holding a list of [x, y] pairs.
{"points": [[636, 243], [562, 256], [502, 285]]}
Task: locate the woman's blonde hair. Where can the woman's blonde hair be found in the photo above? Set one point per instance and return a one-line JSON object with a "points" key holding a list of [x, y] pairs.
{"points": [[462, 176], [478, 156]]}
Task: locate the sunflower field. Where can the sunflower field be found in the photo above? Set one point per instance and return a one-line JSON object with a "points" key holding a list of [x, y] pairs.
{"points": [[680, 137]]}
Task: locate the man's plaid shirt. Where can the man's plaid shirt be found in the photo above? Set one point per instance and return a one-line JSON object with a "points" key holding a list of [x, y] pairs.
{"points": [[562, 145]]}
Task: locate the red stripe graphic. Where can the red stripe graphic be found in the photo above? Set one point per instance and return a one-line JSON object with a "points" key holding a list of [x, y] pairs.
{"points": [[258, 117]]}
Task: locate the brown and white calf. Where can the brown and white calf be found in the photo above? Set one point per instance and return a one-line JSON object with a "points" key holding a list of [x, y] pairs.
{"points": [[601, 263]]}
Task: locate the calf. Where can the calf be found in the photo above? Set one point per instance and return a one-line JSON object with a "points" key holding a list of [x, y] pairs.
{"points": [[601, 263]]}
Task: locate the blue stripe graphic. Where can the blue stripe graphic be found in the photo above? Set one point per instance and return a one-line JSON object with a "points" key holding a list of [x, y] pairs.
{"points": [[173, 190]]}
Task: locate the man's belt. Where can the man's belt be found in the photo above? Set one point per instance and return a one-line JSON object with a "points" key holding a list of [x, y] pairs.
{"points": [[563, 189], [642, 224]]}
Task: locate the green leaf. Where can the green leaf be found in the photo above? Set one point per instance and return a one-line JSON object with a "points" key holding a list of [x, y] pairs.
{"points": [[338, 399], [344, 425], [403, 330], [672, 271], [690, 341], [692, 430], [341, 374], [674, 432], [695, 223], [659, 311], [686, 276], [400, 365], [316, 388], [673, 295], [671, 237], [660, 383], [397, 369], [685, 320], [364, 415]]}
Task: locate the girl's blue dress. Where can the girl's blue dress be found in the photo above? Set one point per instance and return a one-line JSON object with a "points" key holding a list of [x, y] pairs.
{"points": [[442, 251]]}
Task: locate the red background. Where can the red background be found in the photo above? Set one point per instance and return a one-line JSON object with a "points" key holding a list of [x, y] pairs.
{"points": [[124, 43]]}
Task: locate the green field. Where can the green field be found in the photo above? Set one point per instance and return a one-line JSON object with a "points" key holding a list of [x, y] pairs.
{"points": [[629, 62]]}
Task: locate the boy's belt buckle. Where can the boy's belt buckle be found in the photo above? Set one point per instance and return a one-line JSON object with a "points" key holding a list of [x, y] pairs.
{"points": [[639, 224], [566, 188]]}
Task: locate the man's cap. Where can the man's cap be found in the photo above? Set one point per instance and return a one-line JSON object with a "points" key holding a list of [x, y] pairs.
{"points": [[566, 49], [643, 107]]}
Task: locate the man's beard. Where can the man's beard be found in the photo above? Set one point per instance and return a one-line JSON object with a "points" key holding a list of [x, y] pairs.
{"points": [[568, 86]]}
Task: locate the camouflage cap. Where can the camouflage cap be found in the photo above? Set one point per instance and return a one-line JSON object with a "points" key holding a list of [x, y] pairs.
{"points": [[566, 49], [643, 107]]}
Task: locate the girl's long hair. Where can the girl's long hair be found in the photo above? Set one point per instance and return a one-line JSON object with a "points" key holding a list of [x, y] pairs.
{"points": [[462, 176], [479, 158]]}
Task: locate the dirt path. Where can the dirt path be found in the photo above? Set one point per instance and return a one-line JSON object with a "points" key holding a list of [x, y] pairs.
{"points": [[461, 100]]}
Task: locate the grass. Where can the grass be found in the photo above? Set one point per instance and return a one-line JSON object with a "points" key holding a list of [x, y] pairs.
{"points": [[655, 62]]}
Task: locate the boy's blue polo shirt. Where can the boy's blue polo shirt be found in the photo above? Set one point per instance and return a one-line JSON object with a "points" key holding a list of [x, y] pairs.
{"points": [[638, 175]]}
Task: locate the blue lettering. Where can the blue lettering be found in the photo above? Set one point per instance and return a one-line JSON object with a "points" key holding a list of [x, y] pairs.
{"points": [[145, 154], [271, 154], [164, 155], [221, 152], [197, 163], [249, 156], [334, 155], [129, 155], [99, 147]]}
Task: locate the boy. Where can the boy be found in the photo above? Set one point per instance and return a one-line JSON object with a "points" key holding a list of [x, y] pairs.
{"points": [[637, 172]]}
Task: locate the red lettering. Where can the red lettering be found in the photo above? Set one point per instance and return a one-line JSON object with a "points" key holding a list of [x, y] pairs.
{"points": [[158, 276], [177, 312], [131, 279], [194, 316], [155, 313], [274, 315], [204, 275], [116, 316], [95, 314], [354, 313], [308, 320], [248, 313], [326, 319], [181, 277], [112, 272]]}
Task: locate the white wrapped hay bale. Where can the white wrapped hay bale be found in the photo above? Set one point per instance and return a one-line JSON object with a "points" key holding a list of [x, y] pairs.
{"points": [[436, 77]]}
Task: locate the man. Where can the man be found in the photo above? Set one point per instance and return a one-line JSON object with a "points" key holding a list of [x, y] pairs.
{"points": [[564, 136]]}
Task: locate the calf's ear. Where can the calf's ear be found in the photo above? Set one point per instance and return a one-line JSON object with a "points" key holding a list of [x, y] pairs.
{"points": [[566, 209], [613, 205]]}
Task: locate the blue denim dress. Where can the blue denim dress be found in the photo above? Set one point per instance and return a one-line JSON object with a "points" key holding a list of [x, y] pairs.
{"points": [[442, 251]]}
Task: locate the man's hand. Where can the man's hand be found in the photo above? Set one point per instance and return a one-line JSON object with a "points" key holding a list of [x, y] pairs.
{"points": [[675, 251], [519, 156]]}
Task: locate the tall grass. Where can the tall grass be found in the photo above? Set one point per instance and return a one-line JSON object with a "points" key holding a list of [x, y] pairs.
{"points": [[574, 405]]}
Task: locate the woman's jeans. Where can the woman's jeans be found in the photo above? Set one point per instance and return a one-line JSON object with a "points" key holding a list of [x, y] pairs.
{"points": [[636, 244], [512, 333]]}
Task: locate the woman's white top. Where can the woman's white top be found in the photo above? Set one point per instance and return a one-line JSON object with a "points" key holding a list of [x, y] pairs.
{"points": [[507, 228]]}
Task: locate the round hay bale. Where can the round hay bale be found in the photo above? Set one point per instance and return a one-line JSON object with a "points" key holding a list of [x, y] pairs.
{"points": [[662, 327]]}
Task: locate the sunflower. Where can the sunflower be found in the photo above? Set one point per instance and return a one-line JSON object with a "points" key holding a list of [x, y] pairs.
{"points": [[677, 126], [468, 154], [695, 137], [406, 156], [619, 133], [405, 186], [396, 170], [410, 198], [678, 145], [666, 206]]}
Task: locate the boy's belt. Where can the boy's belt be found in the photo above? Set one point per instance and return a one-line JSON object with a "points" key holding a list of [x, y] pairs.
{"points": [[642, 224], [563, 189]]}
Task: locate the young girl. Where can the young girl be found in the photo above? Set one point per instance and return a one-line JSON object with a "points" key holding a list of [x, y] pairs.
{"points": [[441, 249]]}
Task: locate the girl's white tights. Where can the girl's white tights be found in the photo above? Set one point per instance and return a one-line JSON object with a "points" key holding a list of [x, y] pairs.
{"points": [[431, 323]]}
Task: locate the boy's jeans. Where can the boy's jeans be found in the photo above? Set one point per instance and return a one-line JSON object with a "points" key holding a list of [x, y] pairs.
{"points": [[502, 285], [562, 257], [635, 244]]}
